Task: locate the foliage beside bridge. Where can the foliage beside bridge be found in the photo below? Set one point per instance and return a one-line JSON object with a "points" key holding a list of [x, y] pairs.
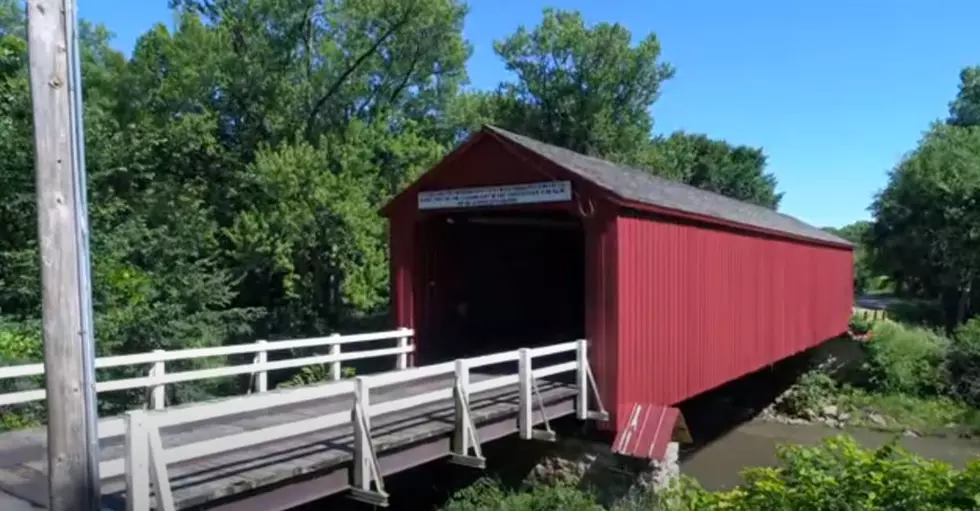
{"points": [[838, 474]]}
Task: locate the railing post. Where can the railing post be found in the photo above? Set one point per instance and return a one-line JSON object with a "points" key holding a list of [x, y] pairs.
{"points": [[158, 399], [137, 462], [335, 366], [158, 468], [463, 384], [362, 434], [465, 437], [403, 343], [524, 418], [582, 379], [262, 377], [366, 466]]}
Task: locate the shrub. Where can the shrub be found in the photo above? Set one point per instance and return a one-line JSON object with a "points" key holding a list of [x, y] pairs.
{"points": [[20, 343], [684, 494], [963, 362], [860, 324], [488, 495], [916, 312], [311, 375], [840, 475], [815, 389], [906, 360]]}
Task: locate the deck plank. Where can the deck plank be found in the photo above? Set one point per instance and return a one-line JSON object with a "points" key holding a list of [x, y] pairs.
{"points": [[22, 471]]}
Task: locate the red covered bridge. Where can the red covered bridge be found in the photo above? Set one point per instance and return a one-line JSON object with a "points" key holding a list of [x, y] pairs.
{"points": [[511, 242]]}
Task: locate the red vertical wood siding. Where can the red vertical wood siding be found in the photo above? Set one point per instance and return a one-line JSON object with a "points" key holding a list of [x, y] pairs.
{"points": [[700, 306], [601, 284], [435, 282], [402, 267]]}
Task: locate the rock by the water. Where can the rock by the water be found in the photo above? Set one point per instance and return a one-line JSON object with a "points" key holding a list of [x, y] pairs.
{"points": [[594, 465], [877, 419]]}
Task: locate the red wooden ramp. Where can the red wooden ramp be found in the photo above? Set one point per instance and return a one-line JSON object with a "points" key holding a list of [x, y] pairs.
{"points": [[649, 429]]}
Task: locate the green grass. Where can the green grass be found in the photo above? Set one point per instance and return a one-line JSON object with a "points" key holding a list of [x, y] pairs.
{"points": [[898, 412]]}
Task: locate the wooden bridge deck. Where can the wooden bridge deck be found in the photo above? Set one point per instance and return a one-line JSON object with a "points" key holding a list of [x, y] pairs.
{"points": [[282, 474]]}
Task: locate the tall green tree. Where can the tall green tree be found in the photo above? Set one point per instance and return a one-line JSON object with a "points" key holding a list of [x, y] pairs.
{"points": [[303, 68], [965, 109], [591, 89], [312, 241], [924, 232], [927, 219], [735, 171], [274, 81], [588, 89], [859, 233]]}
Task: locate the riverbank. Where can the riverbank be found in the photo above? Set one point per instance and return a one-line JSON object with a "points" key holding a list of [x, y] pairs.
{"points": [[909, 415], [890, 377]]}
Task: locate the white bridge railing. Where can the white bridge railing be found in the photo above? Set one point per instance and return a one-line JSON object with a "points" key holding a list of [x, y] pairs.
{"points": [[146, 460], [157, 378]]}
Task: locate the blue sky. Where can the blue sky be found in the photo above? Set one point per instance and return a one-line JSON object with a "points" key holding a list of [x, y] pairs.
{"points": [[835, 91]]}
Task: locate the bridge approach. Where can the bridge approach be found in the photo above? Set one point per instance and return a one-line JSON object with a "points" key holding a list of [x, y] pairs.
{"points": [[276, 449]]}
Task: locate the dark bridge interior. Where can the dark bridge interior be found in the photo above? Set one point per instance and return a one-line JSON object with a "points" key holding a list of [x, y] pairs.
{"points": [[500, 281]]}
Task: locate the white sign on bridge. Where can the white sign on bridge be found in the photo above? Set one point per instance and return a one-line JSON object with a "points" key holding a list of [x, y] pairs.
{"points": [[532, 193]]}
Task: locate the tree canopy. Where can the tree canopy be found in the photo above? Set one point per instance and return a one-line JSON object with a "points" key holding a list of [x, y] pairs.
{"points": [[588, 89], [859, 234], [715, 165]]}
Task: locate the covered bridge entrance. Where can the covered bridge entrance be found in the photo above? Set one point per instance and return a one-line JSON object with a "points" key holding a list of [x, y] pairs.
{"points": [[502, 280], [509, 242]]}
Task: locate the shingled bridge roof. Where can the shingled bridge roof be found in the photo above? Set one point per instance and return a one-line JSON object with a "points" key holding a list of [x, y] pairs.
{"points": [[643, 187]]}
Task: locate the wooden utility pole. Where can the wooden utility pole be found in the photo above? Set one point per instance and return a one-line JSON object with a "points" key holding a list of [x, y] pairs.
{"points": [[73, 455]]}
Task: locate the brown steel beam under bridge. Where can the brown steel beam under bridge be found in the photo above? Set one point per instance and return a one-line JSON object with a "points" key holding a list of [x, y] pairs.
{"points": [[274, 450]]}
